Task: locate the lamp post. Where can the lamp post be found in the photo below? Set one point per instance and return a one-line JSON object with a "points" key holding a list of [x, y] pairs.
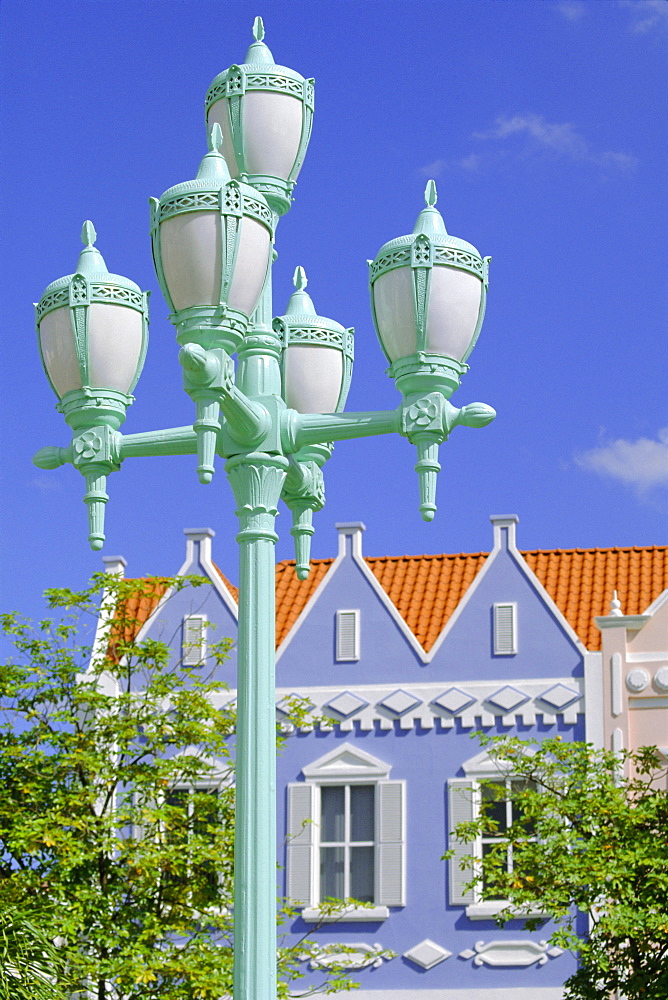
{"points": [[274, 415]]}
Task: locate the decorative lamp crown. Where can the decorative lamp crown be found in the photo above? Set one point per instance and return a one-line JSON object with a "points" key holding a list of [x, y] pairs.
{"points": [[92, 329], [265, 112], [317, 356], [211, 241], [428, 294]]}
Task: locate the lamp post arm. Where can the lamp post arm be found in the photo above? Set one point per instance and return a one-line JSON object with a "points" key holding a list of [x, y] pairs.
{"points": [[170, 441], [302, 429]]}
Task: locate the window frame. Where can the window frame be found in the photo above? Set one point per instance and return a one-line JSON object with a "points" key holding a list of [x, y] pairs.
{"points": [[348, 765], [498, 645], [341, 655], [190, 656], [190, 789], [479, 769]]}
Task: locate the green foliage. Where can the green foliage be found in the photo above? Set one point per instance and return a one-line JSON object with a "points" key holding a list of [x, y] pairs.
{"points": [[117, 809], [584, 840]]}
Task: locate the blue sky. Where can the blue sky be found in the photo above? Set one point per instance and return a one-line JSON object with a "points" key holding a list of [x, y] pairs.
{"points": [[543, 124]]}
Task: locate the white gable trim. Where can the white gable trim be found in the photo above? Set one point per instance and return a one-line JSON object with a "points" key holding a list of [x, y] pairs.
{"points": [[658, 603], [463, 604], [346, 763], [547, 600], [358, 559], [189, 566], [392, 609], [306, 610]]}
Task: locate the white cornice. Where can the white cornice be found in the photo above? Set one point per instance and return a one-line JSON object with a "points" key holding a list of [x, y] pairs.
{"points": [[365, 708]]}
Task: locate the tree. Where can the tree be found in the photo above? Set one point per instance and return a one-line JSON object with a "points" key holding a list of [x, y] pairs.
{"points": [[117, 809], [584, 840]]}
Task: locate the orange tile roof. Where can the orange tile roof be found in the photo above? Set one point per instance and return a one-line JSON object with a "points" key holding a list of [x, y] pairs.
{"points": [[292, 594], [426, 589], [581, 582]]}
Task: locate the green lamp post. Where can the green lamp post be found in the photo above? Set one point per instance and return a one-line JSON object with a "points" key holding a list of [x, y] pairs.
{"points": [[274, 414]]}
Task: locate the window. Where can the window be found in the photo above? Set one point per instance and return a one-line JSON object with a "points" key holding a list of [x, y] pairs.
{"points": [[193, 813], [505, 629], [347, 842], [346, 835], [496, 802], [484, 788], [194, 640], [347, 635]]}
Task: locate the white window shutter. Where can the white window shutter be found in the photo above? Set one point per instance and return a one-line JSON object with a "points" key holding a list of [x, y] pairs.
{"points": [[505, 628], [460, 810], [300, 843], [347, 635], [391, 843], [194, 639]]}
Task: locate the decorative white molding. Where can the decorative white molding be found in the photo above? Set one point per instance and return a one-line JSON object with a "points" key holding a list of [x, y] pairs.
{"points": [[346, 763], [427, 954], [436, 704], [661, 679], [469, 993], [637, 680], [593, 696], [616, 683], [504, 952], [488, 910], [350, 914], [350, 956], [655, 701]]}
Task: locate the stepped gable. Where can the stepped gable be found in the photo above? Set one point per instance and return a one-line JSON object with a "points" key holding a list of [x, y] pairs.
{"points": [[581, 582]]}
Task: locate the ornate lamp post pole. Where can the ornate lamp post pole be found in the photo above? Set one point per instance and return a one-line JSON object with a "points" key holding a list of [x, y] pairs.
{"points": [[275, 414]]}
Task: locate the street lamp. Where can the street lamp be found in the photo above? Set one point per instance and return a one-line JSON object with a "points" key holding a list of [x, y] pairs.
{"points": [[275, 414]]}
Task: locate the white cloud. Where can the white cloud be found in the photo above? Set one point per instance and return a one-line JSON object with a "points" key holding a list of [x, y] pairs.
{"points": [[433, 169], [572, 10], [647, 14], [559, 138], [642, 463], [47, 485], [468, 163]]}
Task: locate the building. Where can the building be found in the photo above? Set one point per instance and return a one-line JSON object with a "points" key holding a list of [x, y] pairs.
{"points": [[406, 657]]}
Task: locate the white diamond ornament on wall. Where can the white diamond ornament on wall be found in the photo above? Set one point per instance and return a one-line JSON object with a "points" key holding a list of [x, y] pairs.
{"points": [[508, 698], [453, 700], [347, 704], [427, 954], [559, 696], [400, 702]]}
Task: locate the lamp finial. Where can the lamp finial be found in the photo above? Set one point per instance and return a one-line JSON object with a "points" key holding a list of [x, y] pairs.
{"points": [[430, 194], [299, 279], [258, 29], [215, 138], [88, 234]]}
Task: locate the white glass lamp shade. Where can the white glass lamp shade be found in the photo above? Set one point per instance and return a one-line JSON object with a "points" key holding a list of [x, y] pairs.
{"points": [[272, 131], [92, 326], [191, 247], [452, 311], [56, 342], [453, 307], [313, 378], [115, 339]]}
